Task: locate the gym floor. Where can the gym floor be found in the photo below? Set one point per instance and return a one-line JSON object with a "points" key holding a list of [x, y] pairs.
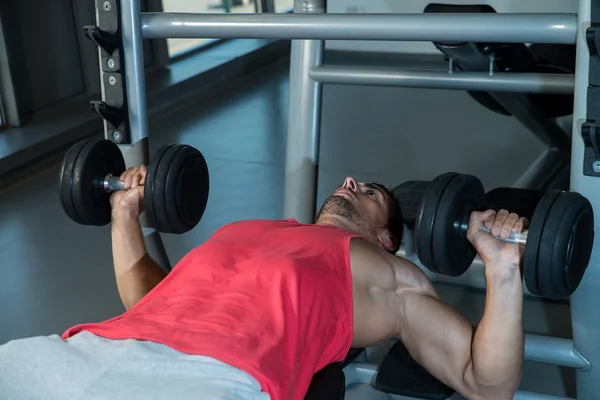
{"points": [[56, 273]]}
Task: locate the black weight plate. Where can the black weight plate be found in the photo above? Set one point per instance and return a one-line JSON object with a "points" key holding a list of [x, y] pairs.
{"points": [[160, 190], [565, 246], [453, 254], [573, 247], [186, 194], [149, 186], [160, 195], [581, 244], [546, 267], [426, 216], [534, 236], [546, 260], [97, 159], [65, 180]]}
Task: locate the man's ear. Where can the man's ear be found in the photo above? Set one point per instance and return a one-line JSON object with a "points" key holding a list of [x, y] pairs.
{"points": [[387, 240]]}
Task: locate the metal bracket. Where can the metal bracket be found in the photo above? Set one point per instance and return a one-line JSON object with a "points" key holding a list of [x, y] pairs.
{"points": [[592, 36], [107, 36], [590, 129], [590, 132]]}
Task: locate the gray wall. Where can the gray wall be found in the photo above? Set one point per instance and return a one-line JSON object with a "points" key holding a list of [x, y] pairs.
{"points": [[48, 67]]}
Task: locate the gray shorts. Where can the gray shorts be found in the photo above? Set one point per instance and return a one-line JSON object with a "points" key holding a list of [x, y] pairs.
{"points": [[90, 367]]}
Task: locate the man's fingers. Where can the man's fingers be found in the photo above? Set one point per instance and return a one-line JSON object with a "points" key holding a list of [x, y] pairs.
{"points": [[143, 171], [488, 222], [522, 223], [130, 177], [508, 226], [501, 217], [478, 220], [124, 174], [481, 216], [135, 180], [133, 177]]}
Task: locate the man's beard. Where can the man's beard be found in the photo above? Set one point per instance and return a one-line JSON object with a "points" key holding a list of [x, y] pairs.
{"points": [[337, 206]]}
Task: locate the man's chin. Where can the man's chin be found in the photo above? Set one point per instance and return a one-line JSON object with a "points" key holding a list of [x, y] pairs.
{"points": [[337, 206], [337, 201]]}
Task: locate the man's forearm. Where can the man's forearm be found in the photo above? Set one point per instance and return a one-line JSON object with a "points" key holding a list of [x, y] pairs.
{"points": [[497, 349], [136, 273]]}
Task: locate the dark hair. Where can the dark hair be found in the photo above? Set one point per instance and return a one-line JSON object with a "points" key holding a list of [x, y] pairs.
{"points": [[396, 219]]}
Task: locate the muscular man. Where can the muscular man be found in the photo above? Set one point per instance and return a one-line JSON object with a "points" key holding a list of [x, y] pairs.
{"points": [[259, 308]]}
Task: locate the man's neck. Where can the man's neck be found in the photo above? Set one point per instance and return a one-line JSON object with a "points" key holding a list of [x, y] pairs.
{"points": [[343, 224], [337, 222]]}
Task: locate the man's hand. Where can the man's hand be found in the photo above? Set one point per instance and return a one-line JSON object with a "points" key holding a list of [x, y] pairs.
{"points": [[497, 253], [130, 200]]}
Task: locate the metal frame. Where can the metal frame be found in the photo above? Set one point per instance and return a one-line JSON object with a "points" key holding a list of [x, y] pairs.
{"points": [[308, 27], [1, 111], [493, 28], [138, 152], [584, 302], [8, 102], [472, 81]]}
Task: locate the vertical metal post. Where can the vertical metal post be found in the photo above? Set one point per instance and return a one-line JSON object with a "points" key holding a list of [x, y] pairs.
{"points": [[265, 6], [584, 302], [135, 78], [304, 123], [10, 111], [135, 74]]}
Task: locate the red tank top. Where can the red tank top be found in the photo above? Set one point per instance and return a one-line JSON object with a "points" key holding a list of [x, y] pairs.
{"points": [[272, 298]]}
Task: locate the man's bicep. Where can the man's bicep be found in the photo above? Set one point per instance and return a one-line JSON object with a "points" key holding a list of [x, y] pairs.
{"points": [[437, 337]]}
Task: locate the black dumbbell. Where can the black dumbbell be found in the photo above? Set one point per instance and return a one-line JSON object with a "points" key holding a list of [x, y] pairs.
{"points": [[558, 244], [175, 190]]}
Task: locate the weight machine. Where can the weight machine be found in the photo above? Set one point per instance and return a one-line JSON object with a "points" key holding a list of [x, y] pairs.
{"points": [[121, 28]]}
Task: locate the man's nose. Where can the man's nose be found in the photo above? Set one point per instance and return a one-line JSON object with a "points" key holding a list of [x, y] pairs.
{"points": [[350, 184]]}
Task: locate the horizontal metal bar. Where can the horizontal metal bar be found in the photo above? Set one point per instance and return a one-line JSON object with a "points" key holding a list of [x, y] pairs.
{"points": [[496, 28], [365, 373], [472, 81], [551, 350]]}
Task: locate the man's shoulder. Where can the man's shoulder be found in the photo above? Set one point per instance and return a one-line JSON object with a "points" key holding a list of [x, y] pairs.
{"points": [[406, 273]]}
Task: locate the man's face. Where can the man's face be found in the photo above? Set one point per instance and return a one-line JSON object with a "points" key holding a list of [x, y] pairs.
{"points": [[362, 207]]}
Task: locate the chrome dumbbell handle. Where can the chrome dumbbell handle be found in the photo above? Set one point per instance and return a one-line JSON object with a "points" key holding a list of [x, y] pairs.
{"points": [[113, 183], [519, 238], [515, 237]]}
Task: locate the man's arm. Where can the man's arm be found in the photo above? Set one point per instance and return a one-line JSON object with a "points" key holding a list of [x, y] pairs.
{"points": [[483, 365], [488, 363], [136, 273]]}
